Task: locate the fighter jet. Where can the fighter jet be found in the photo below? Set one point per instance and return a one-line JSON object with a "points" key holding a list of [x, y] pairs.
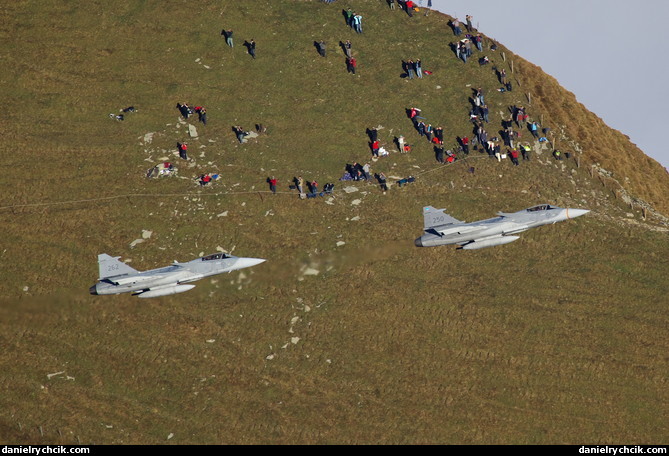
{"points": [[117, 277], [442, 229]]}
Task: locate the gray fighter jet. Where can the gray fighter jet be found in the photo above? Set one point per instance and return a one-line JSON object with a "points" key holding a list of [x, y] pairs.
{"points": [[117, 277], [442, 229]]}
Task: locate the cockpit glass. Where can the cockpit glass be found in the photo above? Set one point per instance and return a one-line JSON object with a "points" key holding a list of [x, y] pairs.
{"points": [[215, 256], [541, 207]]}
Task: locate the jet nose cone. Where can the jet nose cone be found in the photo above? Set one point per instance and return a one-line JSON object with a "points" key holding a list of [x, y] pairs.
{"points": [[573, 213], [419, 242], [248, 262], [93, 290]]}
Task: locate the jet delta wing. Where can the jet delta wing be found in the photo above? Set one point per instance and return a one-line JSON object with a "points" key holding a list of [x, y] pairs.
{"points": [[442, 229], [117, 277]]}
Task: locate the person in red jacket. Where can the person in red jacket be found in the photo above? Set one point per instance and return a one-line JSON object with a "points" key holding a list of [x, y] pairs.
{"points": [[205, 179], [513, 153], [272, 183], [465, 145], [183, 150], [351, 64], [375, 148]]}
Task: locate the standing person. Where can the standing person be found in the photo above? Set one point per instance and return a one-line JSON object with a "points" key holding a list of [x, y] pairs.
{"points": [[498, 154], [421, 128], [351, 64], [391, 4], [483, 136], [400, 143], [321, 48], [463, 51], [313, 187], [465, 145], [502, 77], [272, 184], [408, 7], [375, 147], [428, 132], [534, 127], [484, 112], [469, 24], [239, 131], [480, 96], [299, 183], [228, 37], [419, 69], [439, 152], [202, 114], [183, 150], [429, 5], [347, 48], [357, 21], [456, 27], [365, 171], [468, 48], [513, 153], [478, 39], [252, 48], [410, 68], [349, 17], [439, 133], [382, 181]]}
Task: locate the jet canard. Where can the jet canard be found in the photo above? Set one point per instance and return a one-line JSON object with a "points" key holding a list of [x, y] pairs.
{"points": [[117, 277], [442, 229]]}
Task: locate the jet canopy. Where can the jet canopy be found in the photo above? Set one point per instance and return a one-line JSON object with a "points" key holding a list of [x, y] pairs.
{"points": [[216, 256], [541, 207]]}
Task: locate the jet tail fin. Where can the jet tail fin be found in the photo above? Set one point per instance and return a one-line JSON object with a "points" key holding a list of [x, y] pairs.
{"points": [[434, 217], [111, 266]]}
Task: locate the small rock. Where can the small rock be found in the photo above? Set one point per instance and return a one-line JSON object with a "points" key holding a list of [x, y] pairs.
{"points": [[135, 242], [355, 202], [311, 271], [340, 243], [350, 189], [294, 340], [54, 374], [146, 234], [223, 214]]}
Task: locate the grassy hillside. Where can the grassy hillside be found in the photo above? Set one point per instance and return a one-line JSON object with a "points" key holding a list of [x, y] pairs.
{"points": [[560, 337]]}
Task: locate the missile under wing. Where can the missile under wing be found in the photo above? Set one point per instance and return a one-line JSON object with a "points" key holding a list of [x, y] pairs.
{"points": [[442, 229], [117, 277]]}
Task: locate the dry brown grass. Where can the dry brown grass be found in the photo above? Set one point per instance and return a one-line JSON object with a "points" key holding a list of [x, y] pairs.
{"points": [[560, 337]]}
